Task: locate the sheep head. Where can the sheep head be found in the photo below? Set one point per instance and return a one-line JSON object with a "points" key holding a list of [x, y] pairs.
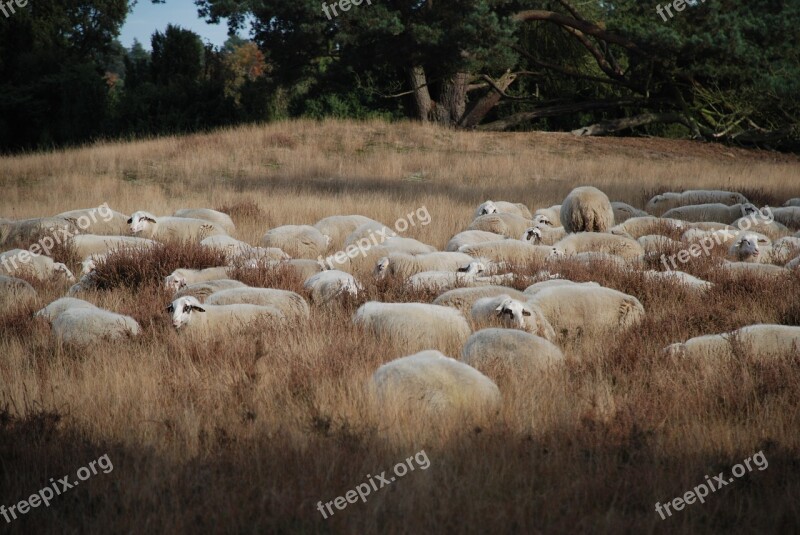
{"points": [[140, 220], [514, 310], [182, 309], [487, 208]]}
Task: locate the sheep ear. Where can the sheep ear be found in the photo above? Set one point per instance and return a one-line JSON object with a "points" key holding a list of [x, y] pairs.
{"points": [[463, 269], [526, 312], [198, 308], [130, 220], [499, 309], [149, 219], [170, 308]]}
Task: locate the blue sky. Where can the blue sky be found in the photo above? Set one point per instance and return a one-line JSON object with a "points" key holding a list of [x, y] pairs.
{"points": [[147, 17]]}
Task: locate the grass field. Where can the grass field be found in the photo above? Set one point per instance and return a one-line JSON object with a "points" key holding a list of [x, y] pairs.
{"points": [[248, 434]]}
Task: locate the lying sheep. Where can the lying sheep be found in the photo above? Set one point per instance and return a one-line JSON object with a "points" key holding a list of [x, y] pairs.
{"points": [[623, 211], [762, 225], [26, 231], [339, 227], [14, 290], [656, 244], [430, 383], [405, 265], [505, 311], [586, 209], [553, 213], [508, 225], [543, 235], [190, 316], [471, 237], [597, 242], [291, 304], [201, 290], [503, 207], [86, 325], [52, 311], [471, 275], [593, 258], [512, 252], [329, 285], [236, 250], [373, 233], [636, 227], [714, 212], [788, 216], [513, 351], [678, 277], [90, 244], [18, 262], [463, 298], [146, 225], [580, 312], [98, 220], [760, 341], [666, 201], [408, 245], [221, 219], [298, 241], [184, 276], [746, 249], [708, 226], [537, 287], [767, 270], [414, 326], [795, 201]]}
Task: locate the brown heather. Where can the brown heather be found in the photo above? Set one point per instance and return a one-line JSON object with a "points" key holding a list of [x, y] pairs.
{"points": [[245, 434]]}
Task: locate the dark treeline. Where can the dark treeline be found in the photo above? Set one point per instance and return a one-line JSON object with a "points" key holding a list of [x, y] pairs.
{"points": [[711, 71]]}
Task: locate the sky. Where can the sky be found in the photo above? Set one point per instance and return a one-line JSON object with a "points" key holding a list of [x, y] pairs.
{"points": [[147, 17]]}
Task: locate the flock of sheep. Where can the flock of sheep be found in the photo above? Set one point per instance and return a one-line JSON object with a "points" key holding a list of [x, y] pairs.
{"points": [[476, 308]]}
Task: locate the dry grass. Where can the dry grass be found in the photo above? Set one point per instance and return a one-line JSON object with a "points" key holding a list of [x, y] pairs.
{"points": [[246, 434]]}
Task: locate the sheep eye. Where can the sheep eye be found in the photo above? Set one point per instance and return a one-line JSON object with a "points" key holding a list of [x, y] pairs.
{"points": [[170, 308]]}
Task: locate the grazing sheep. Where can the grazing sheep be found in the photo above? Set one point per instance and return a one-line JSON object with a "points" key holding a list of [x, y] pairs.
{"points": [[553, 213], [201, 290], [503, 207], [184, 276], [405, 265], [746, 249], [17, 262], [788, 216], [714, 212], [463, 298], [428, 382], [52, 311], [581, 312], [291, 304], [414, 326], [586, 209], [25, 231], [98, 220], [537, 287], [504, 311], [508, 225], [636, 227], [623, 211], [328, 285], [656, 244], [597, 242], [190, 316], [146, 225], [760, 341], [220, 218], [758, 269], [795, 201], [14, 290], [339, 227], [543, 235], [471, 237], [516, 352], [90, 244], [86, 325], [512, 252], [666, 201], [678, 277], [298, 241]]}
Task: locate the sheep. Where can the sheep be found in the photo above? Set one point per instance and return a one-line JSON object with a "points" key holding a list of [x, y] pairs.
{"points": [[86, 283], [503, 207], [300, 268], [715, 212], [636, 227], [444, 280], [328, 285], [542, 235], [788, 216], [339, 227], [763, 225], [597, 242], [785, 246], [759, 340], [656, 244], [414, 326], [794, 263], [88, 244], [184, 276], [678, 277], [553, 213], [146, 225], [221, 219], [236, 250], [192, 317], [298, 241], [471, 237], [505, 311], [757, 269], [516, 352], [463, 298], [708, 226], [746, 249], [405, 265], [537, 287], [593, 258], [666, 201], [623, 211], [431, 383], [86, 325], [14, 290], [795, 201], [586, 209], [99, 220], [25, 231], [291, 304], [54, 309], [408, 245], [580, 312], [373, 232], [508, 225], [512, 252], [17, 261], [201, 290]]}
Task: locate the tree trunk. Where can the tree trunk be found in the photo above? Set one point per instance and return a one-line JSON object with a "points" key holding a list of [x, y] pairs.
{"points": [[452, 103], [616, 125], [486, 103], [554, 111], [421, 95]]}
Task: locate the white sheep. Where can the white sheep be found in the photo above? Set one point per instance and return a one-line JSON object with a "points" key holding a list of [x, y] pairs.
{"points": [[405, 265], [373, 233], [414, 326], [623, 211], [146, 225], [299, 268], [678, 277], [586, 209], [760, 341], [636, 227], [503, 207], [543, 235], [88, 282], [291, 304], [512, 252], [19, 262], [236, 250], [505, 311], [184, 276], [339, 227], [786, 247], [201, 290], [192, 317], [14, 290], [516, 352], [86, 325], [581, 312], [98, 220], [788, 216], [89, 244], [657, 244], [746, 249], [766, 270], [408, 245], [508, 225], [598, 242], [220, 218], [763, 225], [709, 226], [52, 311], [553, 213], [665, 201], [795, 201], [470, 275], [463, 298], [428, 382], [471, 237], [537, 287], [298, 241], [713, 212], [25, 231], [794, 263], [593, 258], [330, 284]]}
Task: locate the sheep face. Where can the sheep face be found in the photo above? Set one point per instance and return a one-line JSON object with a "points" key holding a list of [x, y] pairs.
{"points": [[542, 219], [514, 311], [746, 247], [556, 254], [61, 269], [749, 209], [349, 286], [182, 309], [487, 208], [139, 221], [473, 268], [175, 282], [381, 268], [675, 350], [532, 235]]}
